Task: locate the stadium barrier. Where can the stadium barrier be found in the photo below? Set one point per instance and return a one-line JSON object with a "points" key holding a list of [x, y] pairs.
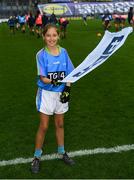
{"points": [[89, 8], [3, 20]]}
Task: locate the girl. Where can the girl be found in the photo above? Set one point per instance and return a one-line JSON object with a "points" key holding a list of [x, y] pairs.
{"points": [[53, 64]]}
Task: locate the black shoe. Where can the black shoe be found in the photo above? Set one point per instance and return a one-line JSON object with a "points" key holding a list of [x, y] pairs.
{"points": [[35, 165], [67, 159]]}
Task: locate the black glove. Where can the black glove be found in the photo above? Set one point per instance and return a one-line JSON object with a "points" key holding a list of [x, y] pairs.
{"points": [[65, 96], [55, 82]]}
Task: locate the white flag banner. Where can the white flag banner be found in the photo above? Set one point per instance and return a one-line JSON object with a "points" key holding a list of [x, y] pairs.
{"points": [[109, 44]]}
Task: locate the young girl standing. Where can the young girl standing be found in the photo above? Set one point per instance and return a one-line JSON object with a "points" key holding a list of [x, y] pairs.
{"points": [[53, 64]]}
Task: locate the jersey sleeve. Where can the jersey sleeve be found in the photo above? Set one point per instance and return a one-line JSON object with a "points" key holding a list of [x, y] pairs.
{"points": [[70, 66], [41, 65]]}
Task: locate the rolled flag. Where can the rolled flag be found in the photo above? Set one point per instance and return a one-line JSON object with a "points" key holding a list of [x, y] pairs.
{"points": [[109, 44]]}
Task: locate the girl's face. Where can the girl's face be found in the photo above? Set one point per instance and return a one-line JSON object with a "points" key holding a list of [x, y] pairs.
{"points": [[51, 37]]}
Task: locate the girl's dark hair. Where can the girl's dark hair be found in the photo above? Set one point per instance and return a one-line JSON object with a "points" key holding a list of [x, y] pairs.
{"points": [[48, 26]]}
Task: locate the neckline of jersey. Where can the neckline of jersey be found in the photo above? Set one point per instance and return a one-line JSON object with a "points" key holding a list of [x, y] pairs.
{"points": [[47, 50]]}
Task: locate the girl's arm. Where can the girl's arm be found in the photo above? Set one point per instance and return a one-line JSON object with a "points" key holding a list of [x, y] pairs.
{"points": [[49, 81], [46, 80]]}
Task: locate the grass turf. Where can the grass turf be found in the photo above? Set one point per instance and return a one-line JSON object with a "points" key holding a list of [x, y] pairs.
{"points": [[101, 107]]}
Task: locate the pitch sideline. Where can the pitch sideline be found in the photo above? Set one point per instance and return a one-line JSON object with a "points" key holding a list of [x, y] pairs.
{"points": [[116, 149]]}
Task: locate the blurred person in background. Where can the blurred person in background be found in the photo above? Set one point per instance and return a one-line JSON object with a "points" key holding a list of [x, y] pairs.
{"points": [[11, 24], [22, 22], [44, 20], [84, 17], [106, 21], [117, 21], [123, 20], [130, 17], [38, 23], [63, 22], [53, 19], [31, 23]]}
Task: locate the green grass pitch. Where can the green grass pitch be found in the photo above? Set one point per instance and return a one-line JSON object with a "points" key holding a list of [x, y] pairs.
{"points": [[101, 108]]}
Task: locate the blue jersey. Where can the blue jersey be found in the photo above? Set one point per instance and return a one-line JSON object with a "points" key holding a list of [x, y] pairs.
{"points": [[53, 67], [11, 22], [21, 19]]}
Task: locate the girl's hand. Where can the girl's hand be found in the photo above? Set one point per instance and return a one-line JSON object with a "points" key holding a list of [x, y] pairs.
{"points": [[65, 96], [55, 82]]}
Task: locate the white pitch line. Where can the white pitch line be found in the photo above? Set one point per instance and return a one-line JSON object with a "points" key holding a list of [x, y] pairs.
{"points": [[116, 149]]}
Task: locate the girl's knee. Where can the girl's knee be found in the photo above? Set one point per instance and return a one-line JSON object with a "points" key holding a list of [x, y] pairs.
{"points": [[43, 127], [59, 121], [59, 125]]}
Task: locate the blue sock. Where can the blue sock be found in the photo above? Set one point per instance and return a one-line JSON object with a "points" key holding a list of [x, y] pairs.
{"points": [[38, 153], [61, 150]]}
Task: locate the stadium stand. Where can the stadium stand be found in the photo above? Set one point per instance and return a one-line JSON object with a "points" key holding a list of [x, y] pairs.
{"points": [[14, 7]]}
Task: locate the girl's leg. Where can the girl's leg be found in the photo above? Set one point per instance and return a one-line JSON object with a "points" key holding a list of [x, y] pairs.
{"points": [[59, 125], [44, 121]]}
